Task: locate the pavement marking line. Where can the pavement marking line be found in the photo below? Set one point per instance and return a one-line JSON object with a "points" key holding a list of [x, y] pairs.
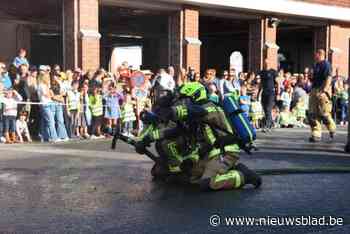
{"points": [[306, 152], [9, 178], [70, 152]]}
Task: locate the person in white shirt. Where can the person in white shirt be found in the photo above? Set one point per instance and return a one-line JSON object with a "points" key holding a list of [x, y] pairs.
{"points": [[10, 101], [22, 127], [47, 127], [166, 81], [162, 84]]}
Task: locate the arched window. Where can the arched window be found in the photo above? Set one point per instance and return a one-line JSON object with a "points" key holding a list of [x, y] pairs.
{"points": [[236, 61]]}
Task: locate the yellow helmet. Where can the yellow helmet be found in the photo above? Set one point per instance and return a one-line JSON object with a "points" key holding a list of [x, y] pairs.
{"points": [[194, 90]]}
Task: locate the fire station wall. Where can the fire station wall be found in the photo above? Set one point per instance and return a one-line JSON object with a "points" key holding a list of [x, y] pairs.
{"points": [[339, 46]]}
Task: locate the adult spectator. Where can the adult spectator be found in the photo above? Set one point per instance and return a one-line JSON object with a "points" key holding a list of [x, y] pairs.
{"points": [[48, 129], [298, 93], [197, 77], [162, 84], [250, 82], [87, 77], [241, 78], [21, 58], [268, 78], [4, 77], [182, 77], [191, 74], [57, 107], [171, 71], [229, 84], [2, 138], [23, 88], [97, 80], [34, 115], [337, 82], [166, 82], [77, 74], [234, 79], [209, 77], [220, 83]]}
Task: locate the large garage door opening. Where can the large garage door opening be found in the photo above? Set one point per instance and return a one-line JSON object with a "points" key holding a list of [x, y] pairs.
{"points": [[137, 36], [24, 24], [296, 47], [224, 43]]}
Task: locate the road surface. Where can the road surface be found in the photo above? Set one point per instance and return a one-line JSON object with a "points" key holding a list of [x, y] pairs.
{"points": [[84, 187]]}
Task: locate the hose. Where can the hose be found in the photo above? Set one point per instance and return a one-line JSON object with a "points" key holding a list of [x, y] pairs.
{"points": [[303, 170]]}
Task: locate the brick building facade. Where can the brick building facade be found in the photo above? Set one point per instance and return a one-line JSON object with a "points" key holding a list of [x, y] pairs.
{"points": [[186, 39]]}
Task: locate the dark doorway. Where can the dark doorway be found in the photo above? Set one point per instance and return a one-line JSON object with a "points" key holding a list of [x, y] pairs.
{"points": [[135, 27], [220, 37], [46, 48], [296, 47]]}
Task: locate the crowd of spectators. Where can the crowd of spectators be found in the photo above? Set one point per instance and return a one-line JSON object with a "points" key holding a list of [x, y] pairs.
{"points": [[48, 104]]}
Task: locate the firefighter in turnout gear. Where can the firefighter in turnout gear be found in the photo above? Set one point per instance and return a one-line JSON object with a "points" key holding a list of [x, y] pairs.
{"points": [[217, 166], [320, 103], [173, 144], [219, 147]]}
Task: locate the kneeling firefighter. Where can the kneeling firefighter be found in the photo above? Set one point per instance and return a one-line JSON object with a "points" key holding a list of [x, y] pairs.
{"points": [[217, 167], [173, 143], [217, 141]]}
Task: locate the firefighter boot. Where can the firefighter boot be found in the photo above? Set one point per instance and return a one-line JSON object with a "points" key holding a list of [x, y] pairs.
{"points": [[250, 177]]}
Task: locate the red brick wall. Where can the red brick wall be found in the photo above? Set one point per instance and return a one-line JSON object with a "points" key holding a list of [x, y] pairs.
{"points": [[192, 55], [191, 30], [191, 23], [88, 11], [339, 38], [341, 3], [90, 47], [259, 35], [81, 51]]}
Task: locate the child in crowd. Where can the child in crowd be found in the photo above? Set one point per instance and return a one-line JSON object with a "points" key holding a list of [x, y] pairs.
{"points": [[2, 138], [256, 112], [275, 116], [73, 104], [96, 107], [343, 96], [128, 115], [286, 97], [22, 129], [9, 115], [143, 102], [112, 111], [85, 112], [212, 93], [299, 111], [244, 100], [286, 118]]}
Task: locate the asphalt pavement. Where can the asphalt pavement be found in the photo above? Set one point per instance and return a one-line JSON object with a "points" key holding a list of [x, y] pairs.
{"points": [[85, 187]]}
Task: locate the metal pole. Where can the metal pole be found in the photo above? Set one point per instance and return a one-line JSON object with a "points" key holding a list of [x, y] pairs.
{"points": [[64, 36], [347, 146]]}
